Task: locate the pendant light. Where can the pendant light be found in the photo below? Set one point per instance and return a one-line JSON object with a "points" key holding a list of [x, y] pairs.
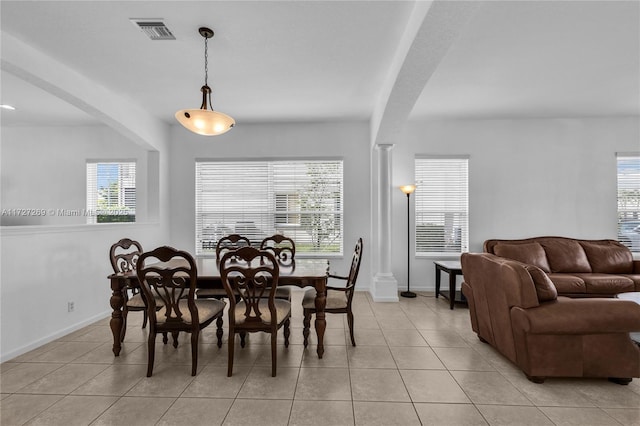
{"points": [[205, 121]]}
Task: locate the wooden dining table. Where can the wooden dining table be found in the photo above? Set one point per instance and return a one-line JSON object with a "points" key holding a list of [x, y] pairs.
{"points": [[302, 273]]}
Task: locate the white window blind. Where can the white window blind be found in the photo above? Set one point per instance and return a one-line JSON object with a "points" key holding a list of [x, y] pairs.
{"points": [[441, 205], [629, 200], [300, 199], [111, 192]]}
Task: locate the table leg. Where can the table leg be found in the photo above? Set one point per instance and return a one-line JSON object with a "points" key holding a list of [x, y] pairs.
{"points": [[321, 322], [437, 281], [117, 302], [452, 289]]}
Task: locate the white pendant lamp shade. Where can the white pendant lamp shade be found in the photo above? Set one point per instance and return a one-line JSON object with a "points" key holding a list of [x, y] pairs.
{"points": [[203, 121]]}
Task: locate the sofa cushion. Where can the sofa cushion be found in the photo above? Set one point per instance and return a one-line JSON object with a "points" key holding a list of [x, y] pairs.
{"points": [[607, 283], [636, 280], [568, 284], [608, 258], [530, 253], [565, 255], [545, 289]]}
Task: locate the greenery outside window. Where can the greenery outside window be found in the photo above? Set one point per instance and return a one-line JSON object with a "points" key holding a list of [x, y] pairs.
{"points": [[301, 199], [628, 171], [441, 205], [111, 192]]}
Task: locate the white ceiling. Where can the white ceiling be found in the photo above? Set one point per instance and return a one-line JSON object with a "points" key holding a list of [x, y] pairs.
{"points": [[327, 60]]}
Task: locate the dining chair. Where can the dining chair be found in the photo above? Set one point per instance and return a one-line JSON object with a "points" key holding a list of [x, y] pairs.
{"points": [[339, 299], [124, 256], [284, 250], [171, 275], [224, 245], [253, 275]]}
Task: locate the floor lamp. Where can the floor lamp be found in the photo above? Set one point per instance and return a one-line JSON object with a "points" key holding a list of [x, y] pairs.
{"points": [[408, 189]]}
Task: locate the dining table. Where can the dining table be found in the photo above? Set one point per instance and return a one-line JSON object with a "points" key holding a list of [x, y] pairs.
{"points": [[303, 272]]}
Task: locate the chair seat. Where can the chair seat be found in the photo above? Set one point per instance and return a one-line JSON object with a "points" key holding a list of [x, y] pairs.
{"points": [[283, 311], [335, 299], [283, 292], [136, 302], [207, 309]]}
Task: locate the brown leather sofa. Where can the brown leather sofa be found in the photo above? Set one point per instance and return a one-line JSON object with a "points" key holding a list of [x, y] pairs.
{"points": [[577, 268], [515, 308]]}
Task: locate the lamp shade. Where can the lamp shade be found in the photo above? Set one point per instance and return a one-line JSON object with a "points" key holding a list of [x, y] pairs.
{"points": [[408, 189], [205, 122]]}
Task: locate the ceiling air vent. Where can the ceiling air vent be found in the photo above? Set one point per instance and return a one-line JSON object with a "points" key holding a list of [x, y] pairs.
{"points": [[155, 29]]}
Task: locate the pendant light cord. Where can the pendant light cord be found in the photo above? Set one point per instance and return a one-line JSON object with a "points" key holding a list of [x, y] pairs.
{"points": [[206, 61]]}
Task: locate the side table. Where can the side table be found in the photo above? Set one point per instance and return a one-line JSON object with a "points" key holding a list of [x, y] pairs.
{"points": [[453, 268]]}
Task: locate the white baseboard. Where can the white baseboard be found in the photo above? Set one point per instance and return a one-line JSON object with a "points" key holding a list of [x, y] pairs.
{"points": [[50, 338]]}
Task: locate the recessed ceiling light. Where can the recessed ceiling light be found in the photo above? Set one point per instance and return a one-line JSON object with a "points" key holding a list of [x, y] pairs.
{"points": [[9, 107]]}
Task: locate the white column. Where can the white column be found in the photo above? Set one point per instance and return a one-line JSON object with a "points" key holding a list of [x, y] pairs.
{"points": [[385, 286]]}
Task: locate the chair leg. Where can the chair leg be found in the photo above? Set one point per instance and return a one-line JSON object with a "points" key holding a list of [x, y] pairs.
{"points": [[194, 352], [175, 338], [274, 353], [287, 332], [151, 349], [144, 319], [307, 323], [219, 332], [243, 336], [230, 344], [165, 338], [123, 330], [350, 322]]}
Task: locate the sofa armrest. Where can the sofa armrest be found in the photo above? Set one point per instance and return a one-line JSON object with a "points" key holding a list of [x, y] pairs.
{"points": [[636, 266], [579, 316]]}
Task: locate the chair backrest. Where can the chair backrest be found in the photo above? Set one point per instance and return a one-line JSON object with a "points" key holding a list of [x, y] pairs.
{"points": [[355, 268], [253, 275], [170, 275], [124, 255], [283, 248], [230, 243]]}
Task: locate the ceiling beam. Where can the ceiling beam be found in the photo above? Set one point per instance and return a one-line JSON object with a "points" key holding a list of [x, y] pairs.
{"points": [[45, 72], [432, 28]]}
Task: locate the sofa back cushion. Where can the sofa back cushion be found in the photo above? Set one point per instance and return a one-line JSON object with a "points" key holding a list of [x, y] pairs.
{"points": [[529, 253], [608, 257], [545, 289], [565, 255]]}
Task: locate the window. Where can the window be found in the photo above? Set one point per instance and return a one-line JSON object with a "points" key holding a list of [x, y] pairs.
{"points": [[441, 205], [111, 192], [300, 199], [629, 200]]}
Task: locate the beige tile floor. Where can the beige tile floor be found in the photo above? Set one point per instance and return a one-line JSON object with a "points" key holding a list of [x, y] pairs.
{"points": [[417, 362]]}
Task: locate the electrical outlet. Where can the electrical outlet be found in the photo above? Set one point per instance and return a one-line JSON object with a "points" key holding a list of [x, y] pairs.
{"points": [[70, 306]]}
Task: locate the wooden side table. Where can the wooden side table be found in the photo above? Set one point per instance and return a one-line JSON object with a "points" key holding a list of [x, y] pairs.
{"points": [[453, 268]]}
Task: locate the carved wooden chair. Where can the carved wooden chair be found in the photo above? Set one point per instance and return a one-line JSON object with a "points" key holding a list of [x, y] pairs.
{"points": [[224, 245], [253, 275], [171, 275], [339, 299], [124, 256], [284, 250]]}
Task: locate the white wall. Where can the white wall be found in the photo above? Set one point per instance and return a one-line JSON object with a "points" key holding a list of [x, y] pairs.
{"points": [[346, 140], [45, 266], [529, 177]]}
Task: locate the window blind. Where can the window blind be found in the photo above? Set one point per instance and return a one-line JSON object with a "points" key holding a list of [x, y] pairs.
{"points": [[300, 199], [628, 171], [111, 192], [441, 205]]}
